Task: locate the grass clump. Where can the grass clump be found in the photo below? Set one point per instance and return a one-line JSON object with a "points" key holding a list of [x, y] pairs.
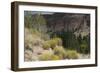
{"points": [[46, 56], [58, 41], [46, 45], [55, 57], [72, 54], [52, 43], [60, 51]]}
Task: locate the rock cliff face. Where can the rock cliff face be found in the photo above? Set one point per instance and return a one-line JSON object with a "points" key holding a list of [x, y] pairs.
{"points": [[76, 23]]}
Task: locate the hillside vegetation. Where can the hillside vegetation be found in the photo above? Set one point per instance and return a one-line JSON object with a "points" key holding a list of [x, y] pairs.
{"points": [[56, 36]]}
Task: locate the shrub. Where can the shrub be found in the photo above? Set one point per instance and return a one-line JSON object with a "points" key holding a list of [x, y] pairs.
{"points": [[46, 45], [58, 41], [72, 54], [55, 57], [46, 56], [84, 44], [83, 48], [54, 42], [59, 50]]}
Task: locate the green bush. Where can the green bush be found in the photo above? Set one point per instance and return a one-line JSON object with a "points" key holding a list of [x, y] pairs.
{"points": [[58, 40], [46, 45], [46, 56], [60, 51], [49, 56], [84, 44], [83, 48], [54, 42], [55, 57], [72, 54]]}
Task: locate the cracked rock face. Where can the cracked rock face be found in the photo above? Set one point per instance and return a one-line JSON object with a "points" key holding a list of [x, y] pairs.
{"points": [[77, 23]]}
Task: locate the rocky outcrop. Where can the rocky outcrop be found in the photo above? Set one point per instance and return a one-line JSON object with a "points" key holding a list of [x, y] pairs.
{"points": [[79, 24]]}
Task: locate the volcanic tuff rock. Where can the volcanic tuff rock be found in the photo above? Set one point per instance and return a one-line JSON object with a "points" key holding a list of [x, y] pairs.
{"points": [[79, 24]]}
